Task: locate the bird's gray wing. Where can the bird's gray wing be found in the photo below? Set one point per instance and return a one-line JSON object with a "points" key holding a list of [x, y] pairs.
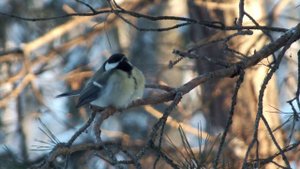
{"points": [[88, 94], [93, 88]]}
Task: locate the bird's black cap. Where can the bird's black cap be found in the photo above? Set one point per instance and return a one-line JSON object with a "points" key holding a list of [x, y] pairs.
{"points": [[123, 63], [117, 57]]}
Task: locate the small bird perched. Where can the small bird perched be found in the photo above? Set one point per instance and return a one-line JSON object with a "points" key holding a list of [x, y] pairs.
{"points": [[117, 83]]}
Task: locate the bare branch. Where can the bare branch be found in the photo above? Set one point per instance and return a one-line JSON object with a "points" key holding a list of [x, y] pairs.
{"points": [[229, 120], [291, 39]]}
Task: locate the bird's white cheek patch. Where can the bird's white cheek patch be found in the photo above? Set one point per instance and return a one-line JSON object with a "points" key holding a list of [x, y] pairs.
{"points": [[97, 84], [109, 66]]}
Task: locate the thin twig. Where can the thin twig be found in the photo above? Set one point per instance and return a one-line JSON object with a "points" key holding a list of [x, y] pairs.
{"points": [[241, 13], [82, 129], [285, 159], [158, 124], [88, 5], [188, 21], [229, 120], [286, 149], [97, 131]]}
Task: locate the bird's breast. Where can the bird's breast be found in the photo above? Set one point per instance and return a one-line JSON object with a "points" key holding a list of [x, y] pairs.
{"points": [[117, 92]]}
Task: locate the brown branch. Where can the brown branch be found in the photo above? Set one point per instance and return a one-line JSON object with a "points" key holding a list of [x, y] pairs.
{"points": [[224, 72], [160, 86]]}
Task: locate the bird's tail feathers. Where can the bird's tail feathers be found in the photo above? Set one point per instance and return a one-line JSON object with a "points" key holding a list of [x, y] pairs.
{"points": [[69, 94]]}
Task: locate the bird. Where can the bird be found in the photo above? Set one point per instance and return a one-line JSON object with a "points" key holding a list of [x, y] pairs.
{"points": [[115, 84]]}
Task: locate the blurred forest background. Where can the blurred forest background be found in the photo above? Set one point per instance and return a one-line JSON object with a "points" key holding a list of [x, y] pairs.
{"points": [[222, 83]]}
